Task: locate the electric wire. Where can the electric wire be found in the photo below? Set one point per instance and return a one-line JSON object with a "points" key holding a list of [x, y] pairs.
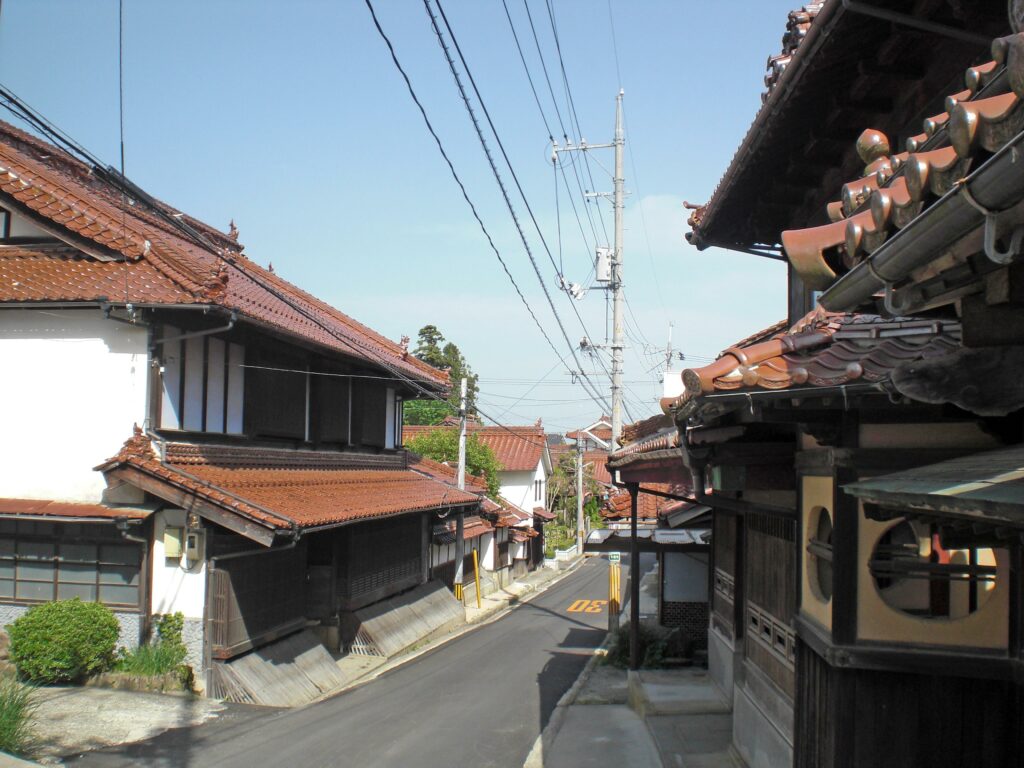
{"points": [[574, 118], [558, 114], [497, 176], [451, 168], [22, 110]]}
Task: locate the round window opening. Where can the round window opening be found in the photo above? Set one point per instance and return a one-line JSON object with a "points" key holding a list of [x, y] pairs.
{"points": [[923, 573], [820, 549]]}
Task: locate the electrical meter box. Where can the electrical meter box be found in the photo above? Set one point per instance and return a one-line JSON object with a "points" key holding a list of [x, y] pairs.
{"points": [[173, 539], [194, 546]]}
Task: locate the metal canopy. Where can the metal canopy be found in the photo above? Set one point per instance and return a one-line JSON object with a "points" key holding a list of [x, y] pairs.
{"points": [[985, 487], [652, 540]]}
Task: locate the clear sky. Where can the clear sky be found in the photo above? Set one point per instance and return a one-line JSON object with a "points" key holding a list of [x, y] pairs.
{"points": [[290, 118]]}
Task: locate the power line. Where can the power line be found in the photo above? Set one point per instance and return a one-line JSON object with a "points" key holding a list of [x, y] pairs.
{"points": [[558, 114], [572, 108], [22, 110], [497, 175], [458, 181]]}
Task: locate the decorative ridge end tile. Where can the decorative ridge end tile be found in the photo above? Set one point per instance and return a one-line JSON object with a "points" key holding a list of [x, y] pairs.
{"points": [[988, 123], [935, 171]]}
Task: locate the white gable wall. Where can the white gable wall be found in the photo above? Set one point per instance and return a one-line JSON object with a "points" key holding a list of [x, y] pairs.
{"points": [[73, 385], [517, 487]]}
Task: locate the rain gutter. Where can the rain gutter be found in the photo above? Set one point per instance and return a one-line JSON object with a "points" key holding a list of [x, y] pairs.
{"points": [[977, 199]]}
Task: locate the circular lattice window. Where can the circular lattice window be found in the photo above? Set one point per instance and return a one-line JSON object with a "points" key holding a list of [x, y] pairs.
{"points": [[919, 573], [820, 550]]}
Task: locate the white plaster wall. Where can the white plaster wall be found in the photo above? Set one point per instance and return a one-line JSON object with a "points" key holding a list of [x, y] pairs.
{"points": [[517, 487], [175, 587], [487, 551], [73, 385], [518, 550]]}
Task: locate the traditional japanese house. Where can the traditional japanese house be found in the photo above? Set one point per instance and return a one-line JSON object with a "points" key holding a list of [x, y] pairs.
{"points": [[861, 617], [263, 488], [655, 486], [525, 461]]}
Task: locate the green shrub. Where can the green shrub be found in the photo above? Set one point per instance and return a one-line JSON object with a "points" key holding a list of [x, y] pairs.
{"points": [[166, 654], [16, 709], [652, 647], [63, 641]]}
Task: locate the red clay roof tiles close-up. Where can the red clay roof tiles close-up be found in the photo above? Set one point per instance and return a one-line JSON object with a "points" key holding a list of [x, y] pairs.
{"points": [[306, 492], [825, 349], [130, 254]]}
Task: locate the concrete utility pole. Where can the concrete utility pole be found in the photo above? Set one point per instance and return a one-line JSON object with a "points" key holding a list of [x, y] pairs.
{"points": [[460, 544], [615, 279], [579, 497], [616, 282]]}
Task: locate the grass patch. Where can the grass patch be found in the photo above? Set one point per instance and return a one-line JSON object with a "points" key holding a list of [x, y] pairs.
{"points": [[17, 706], [158, 659], [164, 656]]}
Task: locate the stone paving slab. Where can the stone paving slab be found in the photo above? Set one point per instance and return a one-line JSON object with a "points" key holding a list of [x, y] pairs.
{"points": [[70, 720], [599, 736]]}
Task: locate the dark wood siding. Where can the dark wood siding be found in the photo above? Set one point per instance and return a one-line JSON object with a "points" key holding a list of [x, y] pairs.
{"points": [[369, 413], [275, 400], [378, 559], [331, 398], [724, 577], [770, 596], [853, 718], [254, 599]]}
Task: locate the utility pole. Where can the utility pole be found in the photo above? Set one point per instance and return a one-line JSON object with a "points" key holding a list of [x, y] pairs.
{"points": [[460, 544], [614, 280], [668, 349], [579, 497]]}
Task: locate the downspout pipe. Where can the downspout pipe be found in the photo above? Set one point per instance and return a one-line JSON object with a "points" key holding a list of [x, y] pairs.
{"points": [[994, 187]]}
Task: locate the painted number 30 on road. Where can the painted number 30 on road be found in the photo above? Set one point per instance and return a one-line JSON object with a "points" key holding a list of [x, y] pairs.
{"points": [[588, 606]]}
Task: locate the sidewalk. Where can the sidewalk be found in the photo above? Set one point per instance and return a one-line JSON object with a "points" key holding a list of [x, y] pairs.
{"points": [[646, 719]]}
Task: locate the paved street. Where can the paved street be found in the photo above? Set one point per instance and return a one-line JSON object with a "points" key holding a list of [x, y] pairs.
{"points": [[480, 700]]}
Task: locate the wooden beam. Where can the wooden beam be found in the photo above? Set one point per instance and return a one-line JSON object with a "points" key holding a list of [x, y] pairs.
{"points": [[188, 501]]}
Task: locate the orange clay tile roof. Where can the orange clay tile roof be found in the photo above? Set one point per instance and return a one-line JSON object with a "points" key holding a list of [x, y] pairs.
{"points": [[825, 349], [649, 507], [281, 489], [518, 449], [45, 508], [598, 462], [127, 253], [472, 526], [765, 190], [646, 427], [445, 473]]}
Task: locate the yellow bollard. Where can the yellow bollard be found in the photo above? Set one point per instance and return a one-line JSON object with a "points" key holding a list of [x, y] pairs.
{"points": [[476, 575]]}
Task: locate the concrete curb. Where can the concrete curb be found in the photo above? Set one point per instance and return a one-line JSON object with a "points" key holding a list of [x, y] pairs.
{"points": [[547, 737], [433, 645]]}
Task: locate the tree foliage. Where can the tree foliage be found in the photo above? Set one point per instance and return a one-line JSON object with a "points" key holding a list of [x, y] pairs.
{"points": [[562, 490], [431, 348], [63, 641], [443, 445]]}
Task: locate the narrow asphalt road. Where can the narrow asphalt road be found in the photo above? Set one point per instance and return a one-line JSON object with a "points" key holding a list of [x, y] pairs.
{"points": [[480, 700]]}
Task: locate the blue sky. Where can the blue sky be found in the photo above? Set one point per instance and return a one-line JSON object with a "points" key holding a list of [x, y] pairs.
{"points": [[291, 119]]}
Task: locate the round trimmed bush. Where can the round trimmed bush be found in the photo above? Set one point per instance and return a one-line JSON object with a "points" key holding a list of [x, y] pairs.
{"points": [[63, 641]]}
